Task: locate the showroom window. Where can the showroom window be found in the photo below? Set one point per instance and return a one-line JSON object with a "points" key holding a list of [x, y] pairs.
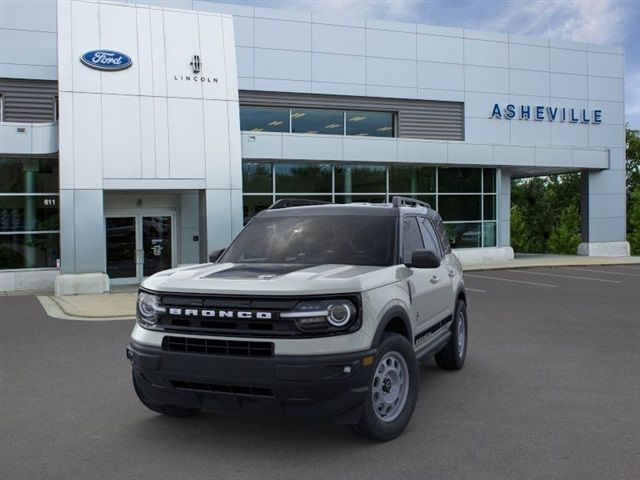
{"points": [[317, 121], [29, 213], [373, 124], [264, 119], [465, 197]]}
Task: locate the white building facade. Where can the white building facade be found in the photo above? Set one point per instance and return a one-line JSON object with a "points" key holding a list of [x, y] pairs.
{"points": [[138, 136]]}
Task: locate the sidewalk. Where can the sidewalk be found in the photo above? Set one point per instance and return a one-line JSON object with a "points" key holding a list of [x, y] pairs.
{"points": [[120, 304], [532, 260]]}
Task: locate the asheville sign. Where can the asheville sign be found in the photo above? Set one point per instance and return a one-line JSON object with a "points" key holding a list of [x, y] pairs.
{"points": [[108, 60], [552, 114]]}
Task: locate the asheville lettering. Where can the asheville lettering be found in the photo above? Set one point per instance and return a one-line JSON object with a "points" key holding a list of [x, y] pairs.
{"points": [[552, 114]]}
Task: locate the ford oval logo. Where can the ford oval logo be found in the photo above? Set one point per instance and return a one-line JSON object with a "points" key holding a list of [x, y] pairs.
{"points": [[109, 60]]}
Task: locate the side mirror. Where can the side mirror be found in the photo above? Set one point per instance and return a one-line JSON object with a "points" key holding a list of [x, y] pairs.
{"points": [[216, 254], [425, 259]]}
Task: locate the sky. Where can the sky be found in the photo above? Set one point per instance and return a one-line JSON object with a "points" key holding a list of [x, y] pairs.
{"points": [[608, 22]]}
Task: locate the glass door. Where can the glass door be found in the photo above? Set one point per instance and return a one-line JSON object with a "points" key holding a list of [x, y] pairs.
{"points": [[122, 266], [156, 244], [138, 246]]}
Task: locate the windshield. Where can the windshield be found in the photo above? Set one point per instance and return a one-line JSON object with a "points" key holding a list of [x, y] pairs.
{"points": [[315, 240]]}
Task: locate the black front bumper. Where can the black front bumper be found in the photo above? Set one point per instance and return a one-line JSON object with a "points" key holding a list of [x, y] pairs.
{"points": [[324, 386]]}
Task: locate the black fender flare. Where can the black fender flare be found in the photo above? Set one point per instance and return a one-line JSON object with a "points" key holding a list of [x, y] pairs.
{"points": [[461, 294], [395, 311]]}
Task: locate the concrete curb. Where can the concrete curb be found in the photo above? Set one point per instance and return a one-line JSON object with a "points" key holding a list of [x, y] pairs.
{"points": [[55, 310], [553, 262]]}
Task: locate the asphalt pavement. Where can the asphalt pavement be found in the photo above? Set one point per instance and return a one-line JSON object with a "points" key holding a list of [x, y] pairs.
{"points": [[551, 389]]}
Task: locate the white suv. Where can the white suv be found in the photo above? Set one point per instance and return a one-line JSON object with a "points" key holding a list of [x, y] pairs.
{"points": [[314, 310]]}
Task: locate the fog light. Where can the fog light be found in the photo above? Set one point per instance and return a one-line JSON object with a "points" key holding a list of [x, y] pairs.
{"points": [[129, 355]]}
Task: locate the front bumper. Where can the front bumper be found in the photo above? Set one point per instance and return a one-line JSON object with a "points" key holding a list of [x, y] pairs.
{"points": [[321, 386]]}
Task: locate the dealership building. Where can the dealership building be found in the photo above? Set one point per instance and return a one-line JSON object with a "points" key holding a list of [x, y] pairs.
{"points": [[138, 136]]}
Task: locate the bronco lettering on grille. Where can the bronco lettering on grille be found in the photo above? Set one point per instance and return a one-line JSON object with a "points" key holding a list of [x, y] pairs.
{"points": [[242, 315]]}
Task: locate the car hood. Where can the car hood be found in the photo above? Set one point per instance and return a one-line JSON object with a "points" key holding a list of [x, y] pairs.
{"points": [[274, 279]]}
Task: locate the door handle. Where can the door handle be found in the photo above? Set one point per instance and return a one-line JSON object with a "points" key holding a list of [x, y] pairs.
{"points": [[435, 279], [452, 273]]}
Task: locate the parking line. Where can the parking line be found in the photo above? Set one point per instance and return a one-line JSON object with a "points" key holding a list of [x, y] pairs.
{"points": [[513, 281], [565, 276], [603, 271], [475, 290]]}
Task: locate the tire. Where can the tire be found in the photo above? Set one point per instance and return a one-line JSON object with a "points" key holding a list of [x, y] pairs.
{"points": [[452, 356], [169, 410], [393, 391]]}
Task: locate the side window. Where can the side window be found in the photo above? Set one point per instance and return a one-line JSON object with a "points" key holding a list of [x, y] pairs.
{"points": [[411, 238], [441, 230], [431, 241]]}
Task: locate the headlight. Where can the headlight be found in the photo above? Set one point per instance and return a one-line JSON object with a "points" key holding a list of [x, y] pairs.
{"points": [[147, 309], [324, 316]]}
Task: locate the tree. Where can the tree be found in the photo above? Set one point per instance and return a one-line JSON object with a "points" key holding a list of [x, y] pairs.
{"points": [[565, 237], [633, 161], [538, 207]]}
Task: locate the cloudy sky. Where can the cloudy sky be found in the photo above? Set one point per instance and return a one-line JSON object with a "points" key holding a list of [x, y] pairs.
{"points": [[610, 22]]}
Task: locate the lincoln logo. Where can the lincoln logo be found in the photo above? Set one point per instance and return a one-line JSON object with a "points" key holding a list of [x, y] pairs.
{"points": [[195, 63], [233, 314]]}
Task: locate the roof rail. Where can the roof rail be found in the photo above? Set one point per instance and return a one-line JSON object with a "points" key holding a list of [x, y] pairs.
{"points": [[408, 202], [296, 202]]}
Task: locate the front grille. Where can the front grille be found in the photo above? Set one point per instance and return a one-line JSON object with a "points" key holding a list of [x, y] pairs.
{"points": [[216, 388], [207, 346], [237, 316], [266, 327]]}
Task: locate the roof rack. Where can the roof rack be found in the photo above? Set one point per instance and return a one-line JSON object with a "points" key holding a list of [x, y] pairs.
{"points": [[296, 202], [408, 202]]}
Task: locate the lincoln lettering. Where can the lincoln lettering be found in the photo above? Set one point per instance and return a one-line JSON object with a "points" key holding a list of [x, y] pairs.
{"points": [[195, 78], [545, 112]]}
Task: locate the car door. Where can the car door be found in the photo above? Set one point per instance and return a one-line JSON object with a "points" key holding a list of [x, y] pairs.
{"points": [[442, 294], [426, 295]]}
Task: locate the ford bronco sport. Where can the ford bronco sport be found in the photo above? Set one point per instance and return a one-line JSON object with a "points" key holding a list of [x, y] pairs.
{"points": [[316, 310]]}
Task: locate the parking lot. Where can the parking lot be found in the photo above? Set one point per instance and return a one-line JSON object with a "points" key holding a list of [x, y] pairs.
{"points": [[551, 389]]}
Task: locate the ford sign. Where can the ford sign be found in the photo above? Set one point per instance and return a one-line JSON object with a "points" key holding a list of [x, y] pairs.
{"points": [[108, 60]]}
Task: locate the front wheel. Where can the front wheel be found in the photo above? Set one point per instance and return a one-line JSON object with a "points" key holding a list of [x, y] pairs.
{"points": [[170, 410], [393, 391], [452, 356]]}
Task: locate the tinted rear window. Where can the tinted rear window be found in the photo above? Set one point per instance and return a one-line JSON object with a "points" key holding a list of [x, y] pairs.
{"points": [[316, 240]]}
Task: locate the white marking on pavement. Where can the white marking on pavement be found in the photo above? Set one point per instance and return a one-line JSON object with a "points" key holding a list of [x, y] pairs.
{"points": [[603, 271], [565, 276], [513, 281], [475, 290]]}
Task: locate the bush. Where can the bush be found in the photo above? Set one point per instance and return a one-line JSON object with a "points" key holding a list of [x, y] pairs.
{"points": [[565, 236]]}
